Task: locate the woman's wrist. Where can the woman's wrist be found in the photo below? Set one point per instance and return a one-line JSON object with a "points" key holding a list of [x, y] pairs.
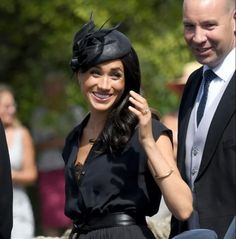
{"points": [[165, 175]]}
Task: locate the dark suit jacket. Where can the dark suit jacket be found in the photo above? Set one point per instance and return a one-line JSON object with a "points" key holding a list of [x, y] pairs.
{"points": [[5, 189], [215, 185]]}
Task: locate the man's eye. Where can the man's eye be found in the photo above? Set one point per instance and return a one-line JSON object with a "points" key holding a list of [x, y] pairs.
{"points": [[209, 26], [188, 26]]}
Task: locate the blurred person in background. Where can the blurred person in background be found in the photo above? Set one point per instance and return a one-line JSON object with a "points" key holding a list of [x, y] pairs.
{"points": [[51, 122], [160, 222], [5, 188], [23, 168]]}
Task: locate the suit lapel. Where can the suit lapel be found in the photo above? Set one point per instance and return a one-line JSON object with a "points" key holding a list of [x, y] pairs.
{"points": [[224, 111], [186, 106]]}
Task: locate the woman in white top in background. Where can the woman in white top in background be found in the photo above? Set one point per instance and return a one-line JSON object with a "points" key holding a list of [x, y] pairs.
{"points": [[23, 168]]}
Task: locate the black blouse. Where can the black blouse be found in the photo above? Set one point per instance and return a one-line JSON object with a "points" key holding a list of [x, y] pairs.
{"points": [[110, 183]]}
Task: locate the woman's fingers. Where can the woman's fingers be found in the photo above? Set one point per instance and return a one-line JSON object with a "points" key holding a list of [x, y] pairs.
{"points": [[139, 103]]}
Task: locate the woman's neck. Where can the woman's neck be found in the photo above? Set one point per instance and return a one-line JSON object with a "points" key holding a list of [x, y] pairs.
{"points": [[95, 125]]}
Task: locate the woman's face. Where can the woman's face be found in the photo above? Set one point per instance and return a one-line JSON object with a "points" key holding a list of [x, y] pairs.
{"points": [[103, 85], [7, 108]]}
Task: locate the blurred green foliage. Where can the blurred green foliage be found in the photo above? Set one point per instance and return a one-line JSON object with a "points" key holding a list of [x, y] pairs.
{"points": [[36, 38]]}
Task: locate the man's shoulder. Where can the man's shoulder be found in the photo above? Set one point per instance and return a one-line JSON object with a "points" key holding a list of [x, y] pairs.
{"points": [[195, 74]]}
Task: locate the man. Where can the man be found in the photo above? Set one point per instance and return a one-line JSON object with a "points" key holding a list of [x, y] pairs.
{"points": [[5, 189], [207, 146]]}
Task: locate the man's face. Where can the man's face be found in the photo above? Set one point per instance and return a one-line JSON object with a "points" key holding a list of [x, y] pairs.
{"points": [[209, 29]]}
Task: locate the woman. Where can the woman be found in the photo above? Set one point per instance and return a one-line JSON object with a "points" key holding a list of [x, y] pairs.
{"points": [[119, 159], [23, 169]]}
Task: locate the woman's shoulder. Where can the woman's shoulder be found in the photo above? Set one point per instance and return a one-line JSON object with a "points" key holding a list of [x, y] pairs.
{"points": [[159, 128], [157, 124], [24, 132]]}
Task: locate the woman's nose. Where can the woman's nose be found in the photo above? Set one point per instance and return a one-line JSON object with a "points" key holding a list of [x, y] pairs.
{"points": [[104, 83]]}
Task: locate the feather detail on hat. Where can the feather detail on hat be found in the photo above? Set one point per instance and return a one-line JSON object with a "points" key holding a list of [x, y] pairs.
{"points": [[92, 46]]}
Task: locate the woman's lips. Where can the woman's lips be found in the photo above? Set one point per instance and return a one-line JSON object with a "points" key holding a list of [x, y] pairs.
{"points": [[102, 96]]}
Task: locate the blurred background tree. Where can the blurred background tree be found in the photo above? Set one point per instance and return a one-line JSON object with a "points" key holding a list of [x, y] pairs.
{"points": [[36, 38]]}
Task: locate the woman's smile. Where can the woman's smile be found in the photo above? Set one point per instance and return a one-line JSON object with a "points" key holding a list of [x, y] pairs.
{"points": [[102, 96]]}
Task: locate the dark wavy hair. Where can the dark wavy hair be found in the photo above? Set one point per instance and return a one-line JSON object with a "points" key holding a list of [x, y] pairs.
{"points": [[121, 122]]}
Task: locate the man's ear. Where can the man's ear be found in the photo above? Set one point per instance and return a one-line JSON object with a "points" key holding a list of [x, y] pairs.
{"points": [[235, 23]]}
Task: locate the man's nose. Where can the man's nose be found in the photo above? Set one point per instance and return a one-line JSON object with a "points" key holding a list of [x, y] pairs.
{"points": [[199, 35]]}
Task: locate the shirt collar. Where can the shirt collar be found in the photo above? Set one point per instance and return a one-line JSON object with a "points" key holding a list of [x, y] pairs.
{"points": [[226, 69]]}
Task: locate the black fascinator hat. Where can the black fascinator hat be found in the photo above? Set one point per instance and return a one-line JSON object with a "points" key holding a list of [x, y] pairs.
{"points": [[92, 47]]}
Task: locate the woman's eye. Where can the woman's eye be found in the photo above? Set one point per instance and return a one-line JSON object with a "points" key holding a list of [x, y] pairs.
{"points": [[116, 75], [95, 73]]}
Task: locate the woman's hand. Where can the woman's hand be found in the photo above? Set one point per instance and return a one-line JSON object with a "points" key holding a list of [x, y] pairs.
{"points": [[141, 109]]}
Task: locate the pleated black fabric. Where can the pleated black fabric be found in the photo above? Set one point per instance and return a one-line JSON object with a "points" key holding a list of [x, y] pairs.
{"points": [[127, 232]]}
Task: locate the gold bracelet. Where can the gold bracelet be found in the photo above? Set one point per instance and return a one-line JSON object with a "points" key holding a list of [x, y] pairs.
{"points": [[164, 176]]}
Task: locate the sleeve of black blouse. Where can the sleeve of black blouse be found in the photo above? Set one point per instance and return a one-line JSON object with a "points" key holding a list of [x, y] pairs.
{"points": [[158, 129]]}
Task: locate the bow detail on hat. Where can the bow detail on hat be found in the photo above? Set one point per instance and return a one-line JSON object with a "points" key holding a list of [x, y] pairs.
{"points": [[94, 46]]}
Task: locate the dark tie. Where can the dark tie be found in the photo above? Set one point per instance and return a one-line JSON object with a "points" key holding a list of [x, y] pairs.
{"points": [[209, 75]]}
